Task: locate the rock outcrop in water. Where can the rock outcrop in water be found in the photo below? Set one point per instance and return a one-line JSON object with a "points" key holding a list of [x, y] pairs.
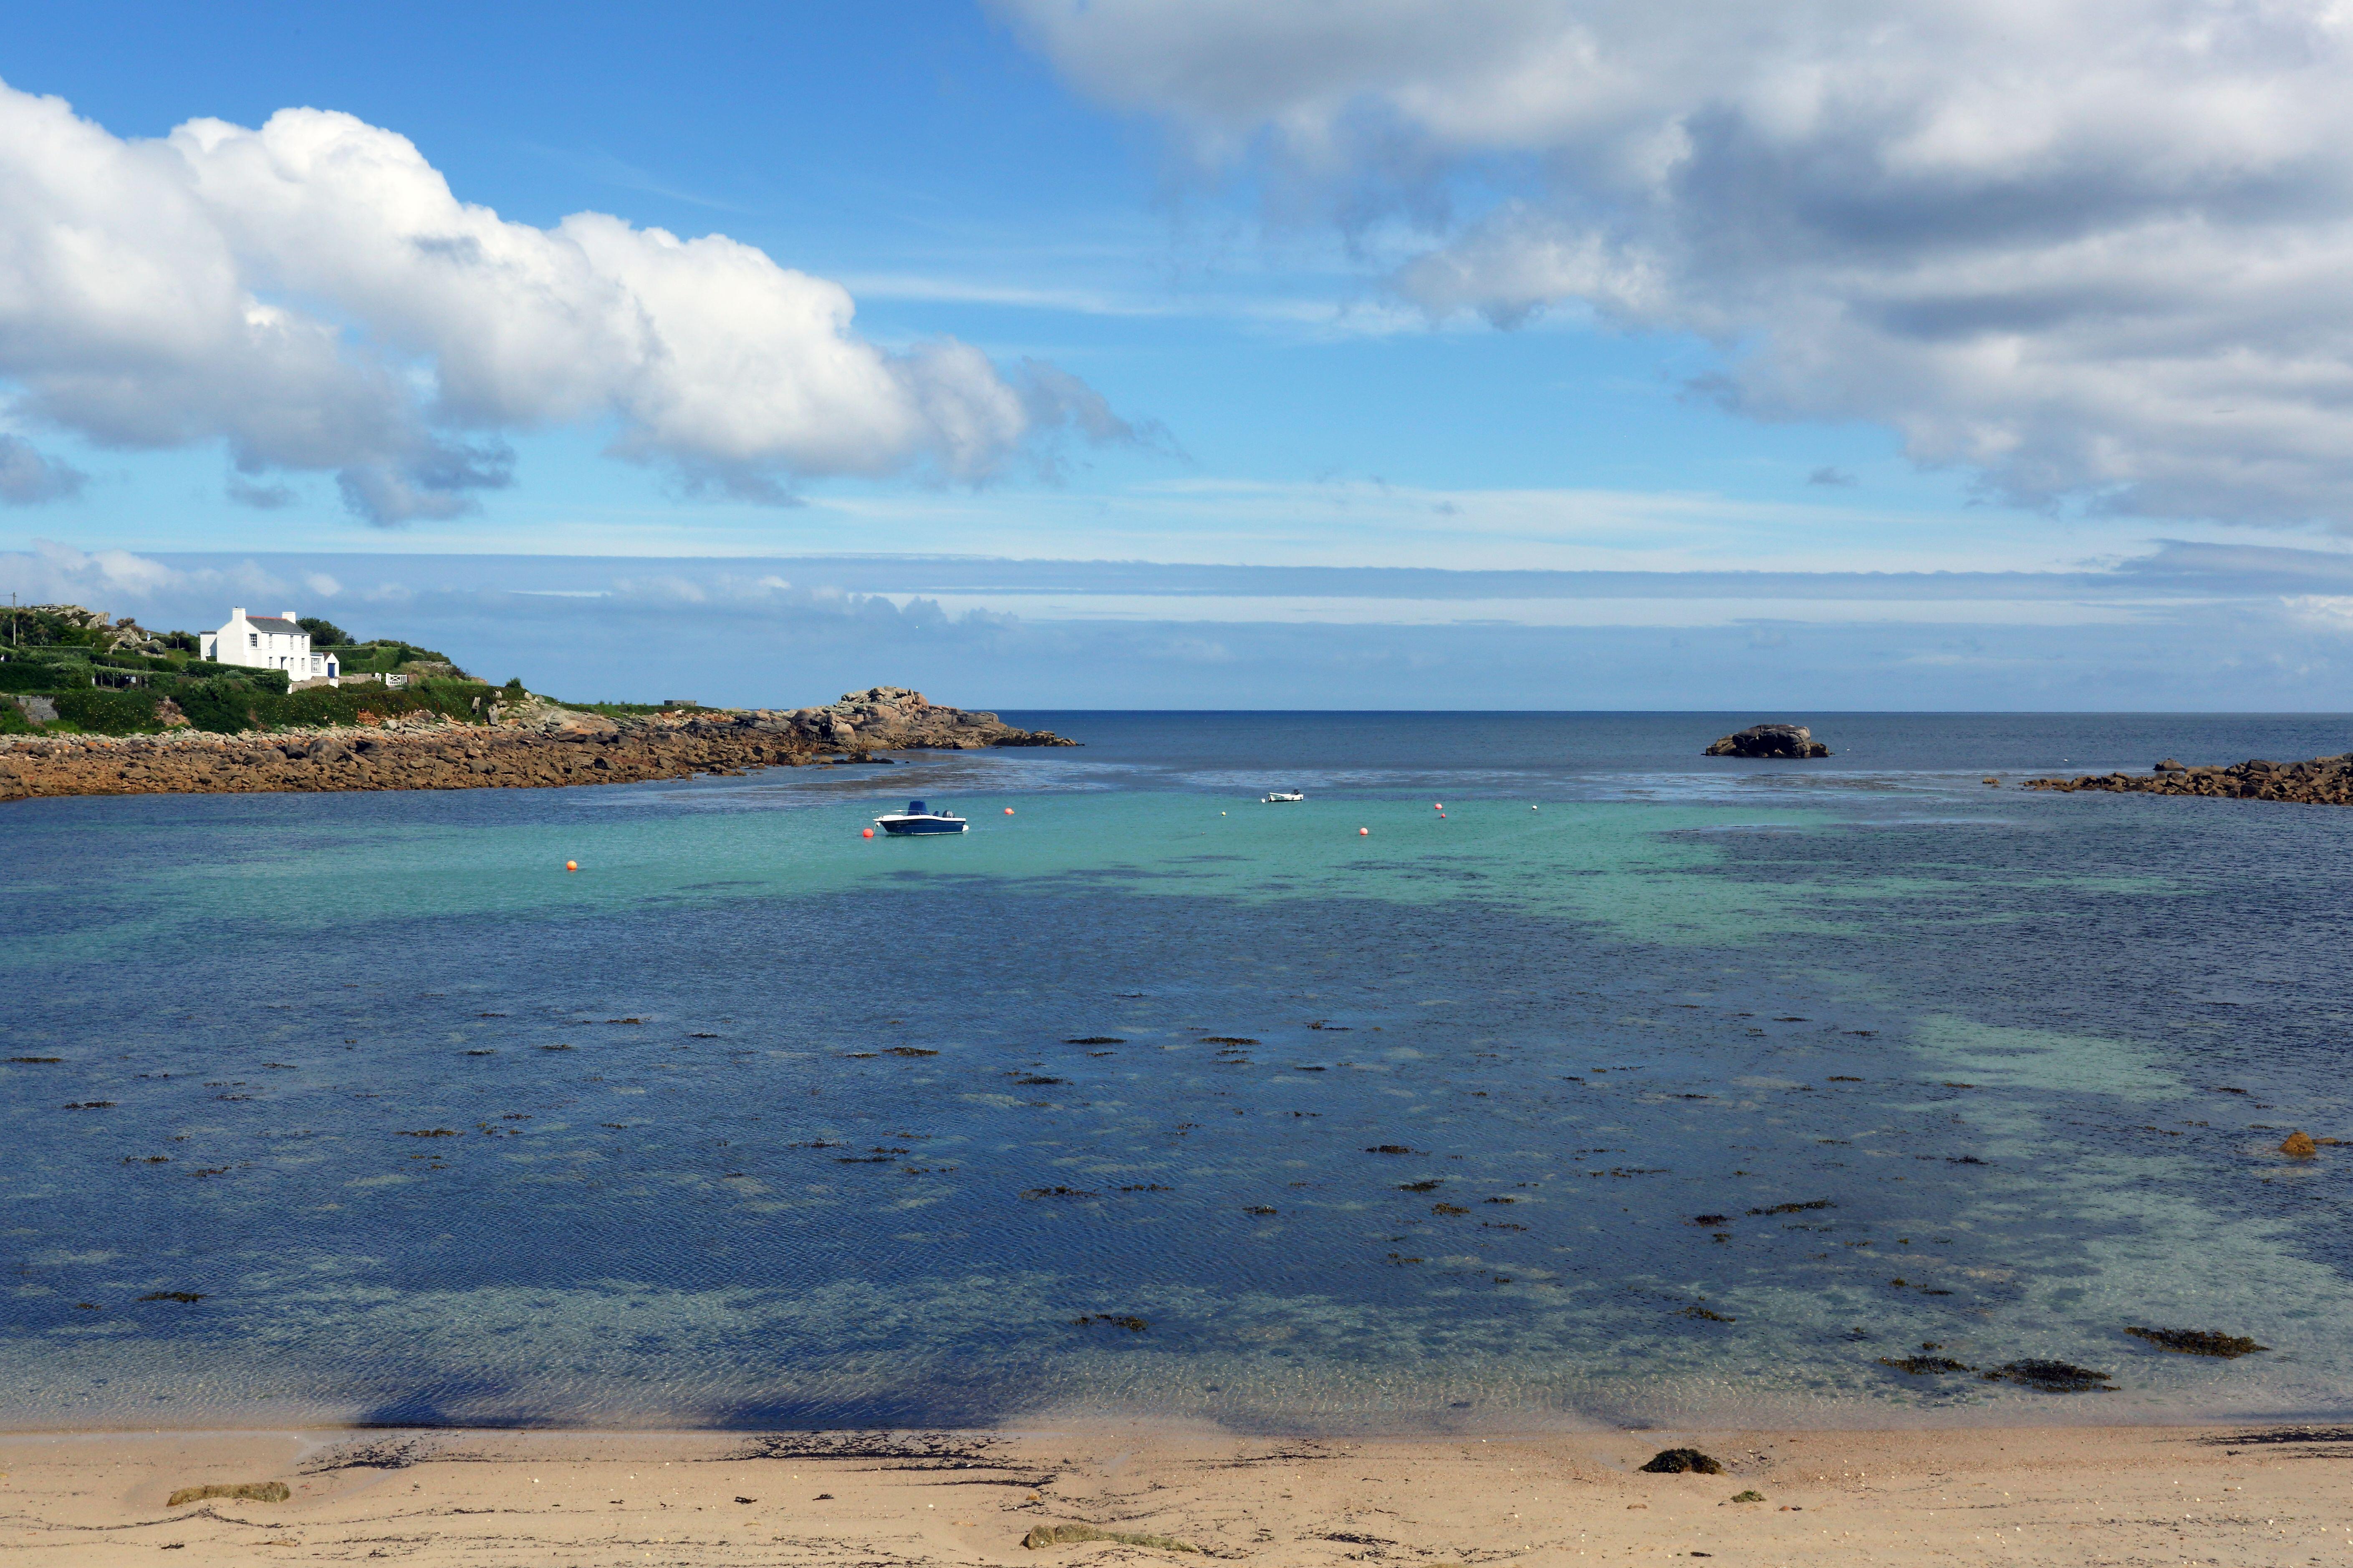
{"points": [[2323, 781], [535, 745], [1790, 741]]}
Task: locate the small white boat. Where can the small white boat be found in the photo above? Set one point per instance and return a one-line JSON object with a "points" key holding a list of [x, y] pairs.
{"points": [[917, 819], [1276, 797]]}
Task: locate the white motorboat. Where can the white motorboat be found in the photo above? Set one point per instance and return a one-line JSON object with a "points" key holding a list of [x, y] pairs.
{"points": [[1277, 797], [917, 819]]}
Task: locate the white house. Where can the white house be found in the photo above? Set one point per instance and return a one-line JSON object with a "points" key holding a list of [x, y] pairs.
{"points": [[262, 642]]}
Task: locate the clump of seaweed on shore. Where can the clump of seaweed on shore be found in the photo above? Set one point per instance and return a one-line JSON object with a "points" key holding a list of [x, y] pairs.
{"points": [[1681, 1461]]}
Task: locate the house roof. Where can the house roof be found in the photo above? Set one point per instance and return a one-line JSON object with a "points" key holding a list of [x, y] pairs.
{"points": [[277, 624]]}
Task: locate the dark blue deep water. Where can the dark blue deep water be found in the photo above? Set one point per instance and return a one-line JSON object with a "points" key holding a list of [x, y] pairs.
{"points": [[753, 1122]]}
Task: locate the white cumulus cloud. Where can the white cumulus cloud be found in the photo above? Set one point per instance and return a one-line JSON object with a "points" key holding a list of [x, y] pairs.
{"points": [[50, 572], [312, 294], [2095, 249]]}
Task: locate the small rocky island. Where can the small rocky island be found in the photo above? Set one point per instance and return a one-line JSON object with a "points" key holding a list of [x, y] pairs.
{"points": [[1793, 741], [2323, 781]]}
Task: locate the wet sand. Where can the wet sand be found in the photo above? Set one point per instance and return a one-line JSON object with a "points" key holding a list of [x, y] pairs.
{"points": [[2056, 1495]]}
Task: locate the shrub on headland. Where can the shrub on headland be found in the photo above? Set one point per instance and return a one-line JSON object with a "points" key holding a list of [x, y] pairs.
{"points": [[22, 674], [225, 707], [230, 704], [96, 711], [383, 657], [53, 626]]}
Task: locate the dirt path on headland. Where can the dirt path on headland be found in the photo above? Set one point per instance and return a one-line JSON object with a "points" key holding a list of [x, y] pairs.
{"points": [[2058, 1495], [545, 746]]}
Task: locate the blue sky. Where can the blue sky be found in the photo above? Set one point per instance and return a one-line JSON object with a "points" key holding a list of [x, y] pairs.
{"points": [[1234, 307]]}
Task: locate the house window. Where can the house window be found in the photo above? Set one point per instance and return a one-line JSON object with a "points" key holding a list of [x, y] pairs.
{"points": [[253, 640]]}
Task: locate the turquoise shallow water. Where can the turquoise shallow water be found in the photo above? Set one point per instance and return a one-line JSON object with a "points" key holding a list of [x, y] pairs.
{"points": [[753, 1122]]}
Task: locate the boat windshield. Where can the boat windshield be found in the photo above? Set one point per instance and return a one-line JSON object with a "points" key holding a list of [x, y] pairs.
{"points": [[915, 808]]}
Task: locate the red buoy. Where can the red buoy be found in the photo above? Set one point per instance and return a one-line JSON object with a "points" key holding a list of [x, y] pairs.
{"points": [[868, 834]]}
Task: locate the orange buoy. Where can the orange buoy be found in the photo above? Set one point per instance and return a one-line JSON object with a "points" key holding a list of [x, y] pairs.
{"points": [[571, 864], [1438, 805], [1363, 831], [868, 834], [1008, 811]]}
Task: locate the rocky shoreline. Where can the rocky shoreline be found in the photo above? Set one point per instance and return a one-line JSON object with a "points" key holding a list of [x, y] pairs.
{"points": [[2323, 781], [536, 745]]}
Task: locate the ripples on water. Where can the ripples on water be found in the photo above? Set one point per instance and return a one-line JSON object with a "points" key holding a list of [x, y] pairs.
{"points": [[754, 1122]]}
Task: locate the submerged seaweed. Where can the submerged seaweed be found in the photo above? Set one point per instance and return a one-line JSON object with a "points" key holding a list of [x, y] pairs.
{"points": [[2198, 1342], [2052, 1376]]}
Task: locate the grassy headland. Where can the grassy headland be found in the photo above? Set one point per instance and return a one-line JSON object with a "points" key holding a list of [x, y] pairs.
{"points": [[90, 705], [88, 675]]}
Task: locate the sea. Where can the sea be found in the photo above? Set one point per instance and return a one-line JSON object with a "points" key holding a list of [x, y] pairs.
{"points": [[1534, 1072]]}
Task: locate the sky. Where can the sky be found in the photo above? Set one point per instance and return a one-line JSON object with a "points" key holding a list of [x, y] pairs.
{"points": [[1267, 353]]}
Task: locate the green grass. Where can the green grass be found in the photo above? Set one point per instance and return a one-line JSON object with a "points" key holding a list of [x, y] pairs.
{"points": [[615, 709]]}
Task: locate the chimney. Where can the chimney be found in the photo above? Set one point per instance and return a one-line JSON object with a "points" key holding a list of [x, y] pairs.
{"points": [[236, 615], [289, 615]]}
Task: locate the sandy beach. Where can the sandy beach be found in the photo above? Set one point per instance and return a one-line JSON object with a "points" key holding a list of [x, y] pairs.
{"points": [[2056, 1495]]}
